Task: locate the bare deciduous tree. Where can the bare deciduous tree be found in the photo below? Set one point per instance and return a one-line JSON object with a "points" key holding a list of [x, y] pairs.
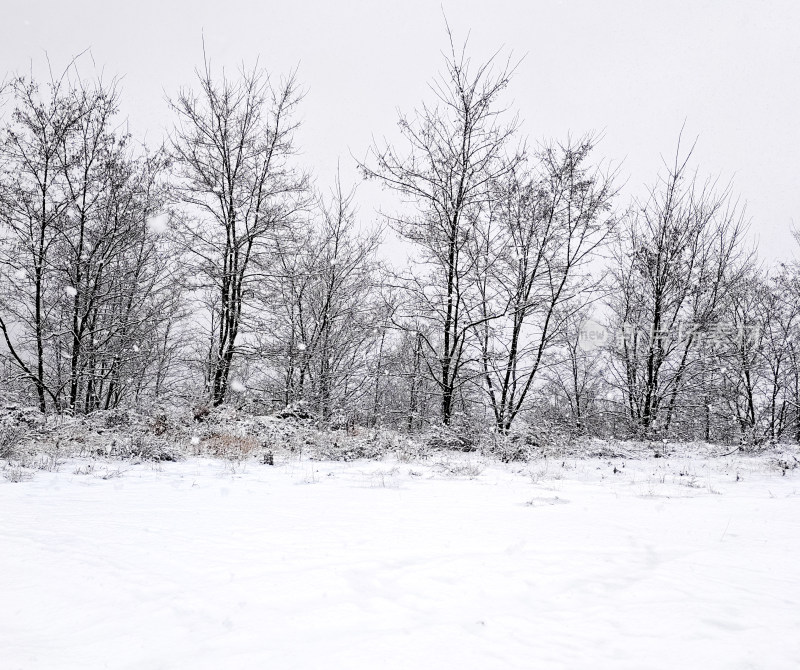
{"points": [[680, 250], [231, 148], [82, 272], [454, 150], [546, 226], [326, 314]]}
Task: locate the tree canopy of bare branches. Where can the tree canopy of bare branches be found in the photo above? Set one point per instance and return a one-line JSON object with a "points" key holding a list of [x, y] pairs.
{"points": [[237, 189]]}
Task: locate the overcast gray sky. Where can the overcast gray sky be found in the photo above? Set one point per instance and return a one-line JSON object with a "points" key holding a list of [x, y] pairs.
{"points": [[633, 69]]}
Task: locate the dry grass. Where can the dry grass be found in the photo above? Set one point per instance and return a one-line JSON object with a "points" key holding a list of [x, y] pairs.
{"points": [[458, 468], [16, 474], [229, 446]]}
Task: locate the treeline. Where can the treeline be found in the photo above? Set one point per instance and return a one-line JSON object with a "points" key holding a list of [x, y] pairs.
{"points": [[211, 270]]}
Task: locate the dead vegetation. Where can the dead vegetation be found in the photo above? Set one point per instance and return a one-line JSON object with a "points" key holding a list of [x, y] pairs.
{"points": [[225, 445], [31, 442]]}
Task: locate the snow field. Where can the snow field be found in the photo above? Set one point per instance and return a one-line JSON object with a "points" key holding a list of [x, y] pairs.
{"points": [[666, 563]]}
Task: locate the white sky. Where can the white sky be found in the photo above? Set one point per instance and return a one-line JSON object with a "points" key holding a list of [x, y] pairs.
{"points": [[634, 70]]}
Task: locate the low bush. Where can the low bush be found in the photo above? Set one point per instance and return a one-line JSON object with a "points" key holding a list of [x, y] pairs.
{"points": [[147, 447], [10, 438]]}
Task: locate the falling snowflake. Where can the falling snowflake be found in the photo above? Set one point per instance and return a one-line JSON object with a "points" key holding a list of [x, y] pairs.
{"points": [[301, 347], [237, 386], [158, 224], [71, 291]]}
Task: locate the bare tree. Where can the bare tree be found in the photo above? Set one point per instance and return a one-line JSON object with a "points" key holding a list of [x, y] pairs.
{"points": [[326, 315], [547, 225], [680, 249], [453, 150], [33, 203], [577, 373], [756, 356], [82, 271], [231, 148]]}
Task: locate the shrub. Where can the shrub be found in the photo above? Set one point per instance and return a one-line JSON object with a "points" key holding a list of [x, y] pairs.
{"points": [[116, 418], [449, 438], [148, 448], [510, 449], [10, 439], [201, 412], [160, 423]]}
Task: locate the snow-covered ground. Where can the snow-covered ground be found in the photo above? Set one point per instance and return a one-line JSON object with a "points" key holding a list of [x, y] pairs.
{"points": [[450, 563]]}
